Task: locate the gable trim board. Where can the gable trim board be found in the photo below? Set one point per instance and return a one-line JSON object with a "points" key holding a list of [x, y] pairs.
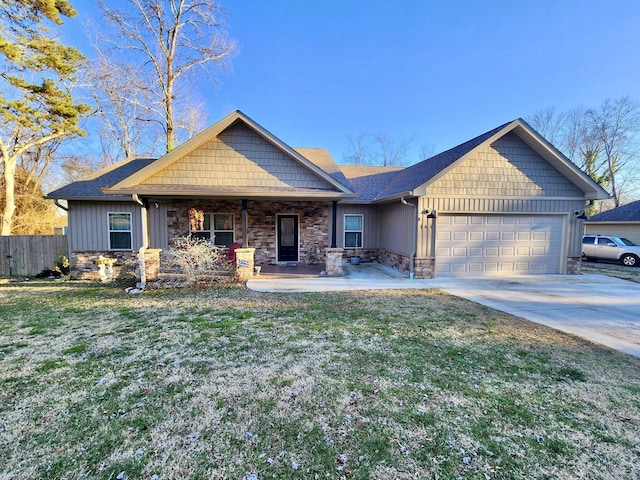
{"points": [[508, 178]]}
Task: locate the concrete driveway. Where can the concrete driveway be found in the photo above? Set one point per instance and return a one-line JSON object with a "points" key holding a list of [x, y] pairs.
{"points": [[600, 308]]}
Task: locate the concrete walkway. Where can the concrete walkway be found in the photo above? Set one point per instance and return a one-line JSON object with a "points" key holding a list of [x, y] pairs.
{"points": [[600, 308]]}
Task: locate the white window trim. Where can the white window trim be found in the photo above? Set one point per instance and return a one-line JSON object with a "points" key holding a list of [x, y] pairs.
{"points": [[212, 231], [345, 231], [130, 231]]}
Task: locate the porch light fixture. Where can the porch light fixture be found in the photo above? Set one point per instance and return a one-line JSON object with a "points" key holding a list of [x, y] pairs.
{"points": [[268, 214], [432, 214]]}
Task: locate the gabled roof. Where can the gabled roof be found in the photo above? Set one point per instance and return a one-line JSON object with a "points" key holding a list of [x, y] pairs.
{"points": [[415, 179], [92, 187], [130, 183], [624, 213]]}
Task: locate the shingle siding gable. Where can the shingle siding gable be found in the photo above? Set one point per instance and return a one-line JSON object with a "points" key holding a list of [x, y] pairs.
{"points": [[506, 168], [238, 157]]}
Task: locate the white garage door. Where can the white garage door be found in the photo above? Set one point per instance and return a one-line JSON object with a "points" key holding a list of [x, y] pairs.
{"points": [[498, 244]]}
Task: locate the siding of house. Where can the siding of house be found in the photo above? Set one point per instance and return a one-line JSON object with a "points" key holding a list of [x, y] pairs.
{"points": [[255, 163], [370, 223], [397, 234], [506, 177], [507, 168], [158, 231], [626, 229], [88, 224]]}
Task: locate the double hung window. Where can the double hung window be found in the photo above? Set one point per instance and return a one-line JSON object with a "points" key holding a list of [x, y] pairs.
{"points": [[353, 231], [119, 231]]}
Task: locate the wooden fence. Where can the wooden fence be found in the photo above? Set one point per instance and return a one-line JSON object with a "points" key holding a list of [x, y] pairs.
{"points": [[28, 255]]}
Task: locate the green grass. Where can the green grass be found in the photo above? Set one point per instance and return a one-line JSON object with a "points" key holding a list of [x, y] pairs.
{"points": [[230, 383]]}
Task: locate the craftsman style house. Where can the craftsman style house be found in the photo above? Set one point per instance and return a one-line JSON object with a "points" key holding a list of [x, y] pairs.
{"points": [[505, 202]]}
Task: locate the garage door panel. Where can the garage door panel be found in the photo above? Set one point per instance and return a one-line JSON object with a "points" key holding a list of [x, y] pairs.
{"points": [[498, 244]]}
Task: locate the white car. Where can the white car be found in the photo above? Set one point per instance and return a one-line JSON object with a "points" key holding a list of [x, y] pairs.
{"points": [[606, 247]]}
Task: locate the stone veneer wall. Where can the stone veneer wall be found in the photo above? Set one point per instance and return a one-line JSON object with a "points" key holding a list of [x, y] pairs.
{"points": [[365, 255], [261, 225], [574, 266], [423, 267], [82, 264]]}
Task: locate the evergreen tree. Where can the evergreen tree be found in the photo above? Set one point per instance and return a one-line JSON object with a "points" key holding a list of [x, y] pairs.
{"points": [[36, 75]]}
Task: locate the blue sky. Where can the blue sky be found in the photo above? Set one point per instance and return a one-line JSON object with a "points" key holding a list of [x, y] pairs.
{"points": [[314, 72]]}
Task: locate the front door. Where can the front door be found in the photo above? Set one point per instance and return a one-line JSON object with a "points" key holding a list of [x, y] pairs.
{"points": [[287, 238]]}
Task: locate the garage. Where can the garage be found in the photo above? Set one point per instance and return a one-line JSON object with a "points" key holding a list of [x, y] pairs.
{"points": [[498, 244]]}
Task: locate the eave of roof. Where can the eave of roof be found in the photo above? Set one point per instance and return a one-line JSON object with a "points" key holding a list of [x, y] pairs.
{"points": [[253, 193]]}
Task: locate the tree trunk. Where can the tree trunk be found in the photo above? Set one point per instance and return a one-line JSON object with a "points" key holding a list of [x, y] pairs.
{"points": [[9, 195]]}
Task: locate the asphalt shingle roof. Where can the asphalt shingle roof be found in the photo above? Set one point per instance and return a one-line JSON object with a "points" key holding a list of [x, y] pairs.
{"points": [[625, 213], [369, 181], [415, 175], [92, 188]]}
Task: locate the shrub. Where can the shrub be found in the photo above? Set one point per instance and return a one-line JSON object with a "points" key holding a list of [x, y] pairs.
{"points": [[199, 262]]}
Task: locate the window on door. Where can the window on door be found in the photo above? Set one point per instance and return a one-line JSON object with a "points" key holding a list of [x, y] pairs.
{"points": [[353, 231], [218, 227], [119, 231]]}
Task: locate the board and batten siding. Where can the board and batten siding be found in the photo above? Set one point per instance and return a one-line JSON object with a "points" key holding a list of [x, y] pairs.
{"points": [[238, 157], [398, 224], [88, 224], [158, 226], [370, 223]]}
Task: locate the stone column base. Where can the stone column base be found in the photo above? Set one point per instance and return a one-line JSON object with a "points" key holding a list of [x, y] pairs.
{"points": [[152, 263], [245, 263], [574, 265], [334, 262]]}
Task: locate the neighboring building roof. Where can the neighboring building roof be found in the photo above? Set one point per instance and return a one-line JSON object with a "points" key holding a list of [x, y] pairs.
{"points": [[624, 213], [91, 188]]}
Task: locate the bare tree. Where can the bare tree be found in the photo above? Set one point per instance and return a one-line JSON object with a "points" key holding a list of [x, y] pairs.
{"points": [[379, 149], [121, 108], [163, 42], [614, 125], [602, 141]]}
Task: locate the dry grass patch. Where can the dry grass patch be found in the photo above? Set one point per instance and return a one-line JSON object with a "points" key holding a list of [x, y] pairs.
{"points": [[231, 383]]}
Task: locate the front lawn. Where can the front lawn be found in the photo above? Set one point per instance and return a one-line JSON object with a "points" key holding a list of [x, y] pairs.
{"points": [[233, 384]]}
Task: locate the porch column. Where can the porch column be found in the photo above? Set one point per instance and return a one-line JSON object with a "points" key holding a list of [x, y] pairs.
{"points": [[245, 239], [334, 224]]}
